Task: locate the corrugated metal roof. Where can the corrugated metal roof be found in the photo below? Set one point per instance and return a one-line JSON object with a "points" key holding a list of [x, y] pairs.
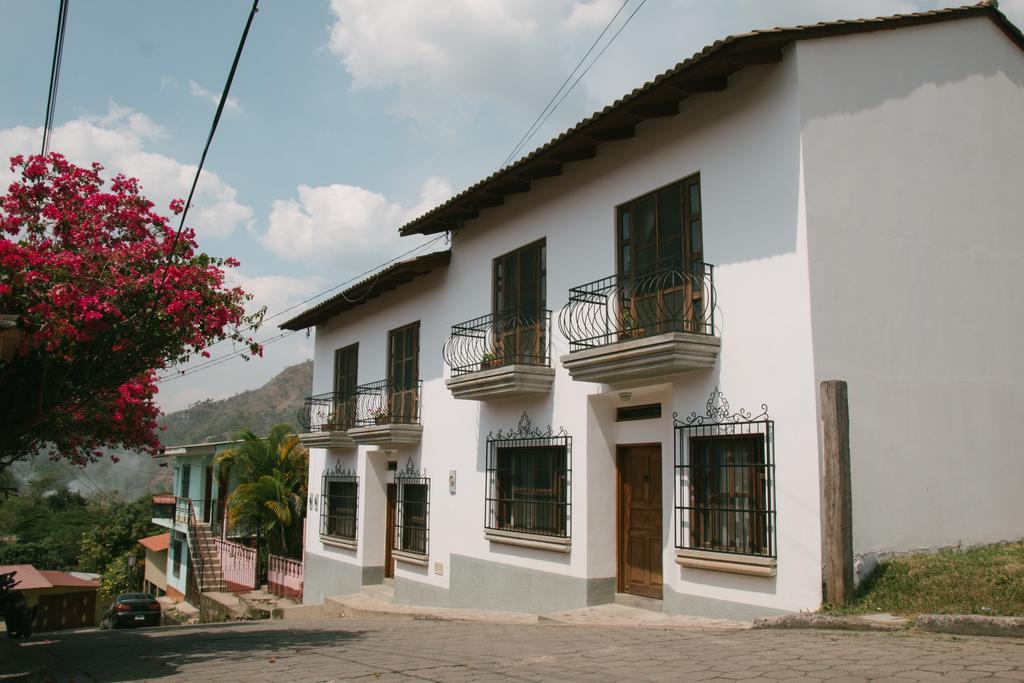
{"points": [[705, 71], [385, 280]]}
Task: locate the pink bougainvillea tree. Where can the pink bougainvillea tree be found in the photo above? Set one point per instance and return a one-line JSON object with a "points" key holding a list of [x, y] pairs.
{"points": [[105, 294]]}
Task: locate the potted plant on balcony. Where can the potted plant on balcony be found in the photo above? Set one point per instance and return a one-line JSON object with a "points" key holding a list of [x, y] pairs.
{"points": [[630, 328], [330, 422], [381, 416], [489, 361]]}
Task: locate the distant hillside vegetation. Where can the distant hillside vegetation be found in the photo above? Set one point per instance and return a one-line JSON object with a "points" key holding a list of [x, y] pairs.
{"points": [[276, 402]]}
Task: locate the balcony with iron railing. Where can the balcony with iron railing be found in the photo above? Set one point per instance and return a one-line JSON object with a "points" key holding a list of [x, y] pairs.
{"points": [[641, 325], [325, 420], [500, 356], [387, 412]]}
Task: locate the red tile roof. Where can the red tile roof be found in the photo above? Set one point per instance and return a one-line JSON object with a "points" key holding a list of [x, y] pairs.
{"points": [[32, 578], [706, 71], [157, 543]]}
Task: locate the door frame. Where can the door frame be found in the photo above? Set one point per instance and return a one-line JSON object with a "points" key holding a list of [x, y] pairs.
{"points": [[621, 531]]}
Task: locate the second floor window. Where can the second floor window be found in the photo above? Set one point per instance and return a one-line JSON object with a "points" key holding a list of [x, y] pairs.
{"points": [[403, 373], [346, 368], [520, 299], [186, 479], [660, 253]]}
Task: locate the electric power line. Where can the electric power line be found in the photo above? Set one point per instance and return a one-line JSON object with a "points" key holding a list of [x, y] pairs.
{"points": [[235, 354], [213, 362], [531, 130], [58, 53], [578, 78]]}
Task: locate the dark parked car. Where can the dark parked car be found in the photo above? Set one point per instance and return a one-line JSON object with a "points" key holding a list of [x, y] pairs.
{"points": [[132, 609]]}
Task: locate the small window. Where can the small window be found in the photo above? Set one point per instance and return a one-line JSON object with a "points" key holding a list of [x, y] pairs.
{"points": [[728, 494], [412, 531], [338, 507], [648, 411], [530, 492], [186, 477], [725, 470]]}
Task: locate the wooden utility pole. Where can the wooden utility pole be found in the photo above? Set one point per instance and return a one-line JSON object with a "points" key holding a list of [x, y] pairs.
{"points": [[838, 496]]}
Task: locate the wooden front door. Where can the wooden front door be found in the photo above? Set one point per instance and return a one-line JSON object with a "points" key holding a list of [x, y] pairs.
{"points": [[389, 532], [640, 520]]}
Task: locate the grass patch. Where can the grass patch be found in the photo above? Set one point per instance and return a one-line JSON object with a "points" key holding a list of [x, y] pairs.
{"points": [[982, 580]]}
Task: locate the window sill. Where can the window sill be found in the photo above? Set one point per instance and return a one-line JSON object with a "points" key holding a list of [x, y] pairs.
{"points": [[411, 558], [748, 565], [555, 544], [339, 542]]}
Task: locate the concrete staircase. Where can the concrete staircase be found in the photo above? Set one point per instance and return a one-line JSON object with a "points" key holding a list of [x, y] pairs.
{"points": [[212, 578]]}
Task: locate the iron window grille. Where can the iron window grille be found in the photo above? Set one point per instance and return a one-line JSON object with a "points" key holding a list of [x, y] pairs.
{"points": [[176, 549], [339, 503], [725, 478], [412, 511], [529, 481]]}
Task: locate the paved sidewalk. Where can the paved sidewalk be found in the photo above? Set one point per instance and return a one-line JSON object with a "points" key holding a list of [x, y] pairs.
{"points": [[401, 650], [361, 605]]}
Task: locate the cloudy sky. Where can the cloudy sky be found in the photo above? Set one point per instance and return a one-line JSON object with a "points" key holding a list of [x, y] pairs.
{"points": [[346, 117]]}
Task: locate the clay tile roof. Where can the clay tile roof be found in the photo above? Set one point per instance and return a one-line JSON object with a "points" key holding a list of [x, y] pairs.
{"points": [[384, 280], [706, 71], [157, 543], [32, 578], [28, 575], [163, 499]]}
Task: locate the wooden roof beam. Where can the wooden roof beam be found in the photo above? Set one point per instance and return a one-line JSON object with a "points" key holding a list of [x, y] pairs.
{"points": [[655, 110], [610, 134], [540, 171], [703, 85], [515, 187], [764, 55], [577, 154]]}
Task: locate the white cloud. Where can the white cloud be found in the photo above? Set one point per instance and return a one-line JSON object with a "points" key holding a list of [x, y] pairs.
{"points": [[276, 292], [345, 226], [118, 140], [231, 104]]}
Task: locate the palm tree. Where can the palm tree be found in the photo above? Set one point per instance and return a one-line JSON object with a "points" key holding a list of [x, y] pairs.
{"points": [[271, 494]]}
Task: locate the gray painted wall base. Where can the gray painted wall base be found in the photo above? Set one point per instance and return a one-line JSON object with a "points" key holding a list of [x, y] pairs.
{"points": [[699, 606], [325, 576], [482, 584]]}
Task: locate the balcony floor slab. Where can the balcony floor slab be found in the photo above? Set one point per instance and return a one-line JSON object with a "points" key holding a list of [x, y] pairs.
{"points": [[334, 439], [507, 381], [635, 359], [387, 434]]}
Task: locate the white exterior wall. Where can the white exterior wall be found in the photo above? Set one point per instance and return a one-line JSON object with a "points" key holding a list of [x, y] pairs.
{"points": [[914, 158], [745, 144]]}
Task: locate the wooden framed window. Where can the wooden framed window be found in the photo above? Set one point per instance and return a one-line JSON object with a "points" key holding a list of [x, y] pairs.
{"points": [[412, 503], [519, 303], [339, 502], [660, 252], [725, 470], [403, 373], [346, 372], [186, 480], [728, 494], [531, 491]]}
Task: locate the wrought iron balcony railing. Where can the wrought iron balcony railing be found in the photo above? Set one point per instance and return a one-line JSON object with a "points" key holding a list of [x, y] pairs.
{"points": [[497, 340], [327, 412], [387, 402], [677, 298]]}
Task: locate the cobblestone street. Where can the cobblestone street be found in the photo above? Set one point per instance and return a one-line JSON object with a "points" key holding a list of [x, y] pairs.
{"points": [[353, 649]]}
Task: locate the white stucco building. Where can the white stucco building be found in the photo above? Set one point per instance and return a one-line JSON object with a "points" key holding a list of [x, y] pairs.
{"points": [[857, 188]]}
